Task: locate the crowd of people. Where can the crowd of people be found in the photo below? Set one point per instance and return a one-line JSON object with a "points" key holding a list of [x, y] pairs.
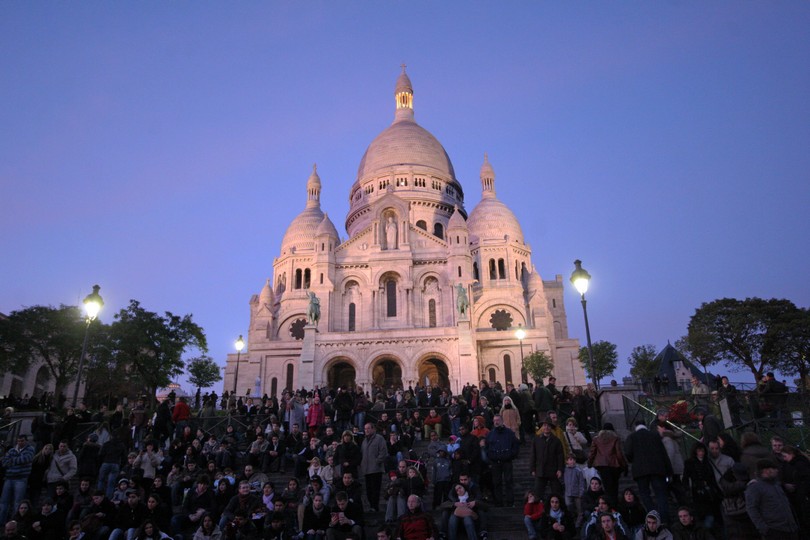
{"points": [[150, 474]]}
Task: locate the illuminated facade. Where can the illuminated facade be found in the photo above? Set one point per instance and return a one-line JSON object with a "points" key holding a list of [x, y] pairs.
{"points": [[389, 294]]}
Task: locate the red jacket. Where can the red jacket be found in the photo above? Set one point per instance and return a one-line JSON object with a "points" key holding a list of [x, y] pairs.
{"points": [[534, 510], [181, 412], [416, 526]]}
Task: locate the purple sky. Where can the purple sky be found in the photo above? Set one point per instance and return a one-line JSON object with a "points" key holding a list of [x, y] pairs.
{"points": [[161, 149]]}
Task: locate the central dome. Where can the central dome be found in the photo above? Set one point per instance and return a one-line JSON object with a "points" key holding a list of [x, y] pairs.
{"points": [[405, 143]]}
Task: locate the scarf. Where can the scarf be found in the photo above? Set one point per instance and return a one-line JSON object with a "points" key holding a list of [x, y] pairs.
{"points": [[556, 514]]}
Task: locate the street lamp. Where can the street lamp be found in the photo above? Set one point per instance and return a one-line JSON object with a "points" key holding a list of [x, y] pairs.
{"points": [[580, 278], [92, 305], [240, 344], [520, 334]]}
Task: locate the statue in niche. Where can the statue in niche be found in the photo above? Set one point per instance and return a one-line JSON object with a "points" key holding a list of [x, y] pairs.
{"points": [[390, 234], [314, 310], [462, 302]]}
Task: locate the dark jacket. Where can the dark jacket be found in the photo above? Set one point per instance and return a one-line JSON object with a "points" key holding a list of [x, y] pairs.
{"points": [[646, 452], [502, 444], [548, 456]]}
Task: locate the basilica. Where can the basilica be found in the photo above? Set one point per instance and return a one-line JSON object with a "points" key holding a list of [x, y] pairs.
{"points": [[421, 291]]}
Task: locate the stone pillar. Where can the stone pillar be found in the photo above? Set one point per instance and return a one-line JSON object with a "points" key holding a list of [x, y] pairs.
{"points": [[467, 359], [306, 366]]}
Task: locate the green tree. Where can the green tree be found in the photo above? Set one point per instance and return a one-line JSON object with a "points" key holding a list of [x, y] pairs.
{"points": [[538, 365], [44, 333], [151, 346], [642, 362], [788, 345], [203, 372], [605, 359], [736, 332]]}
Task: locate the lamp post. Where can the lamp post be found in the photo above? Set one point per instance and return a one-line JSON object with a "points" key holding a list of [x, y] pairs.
{"points": [[240, 344], [92, 305], [520, 334], [580, 279]]}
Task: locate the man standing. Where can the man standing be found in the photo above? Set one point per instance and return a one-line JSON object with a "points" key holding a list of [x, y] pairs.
{"points": [[547, 462], [502, 448], [722, 463], [651, 467], [63, 467], [768, 506], [710, 425], [372, 466], [728, 392], [17, 463]]}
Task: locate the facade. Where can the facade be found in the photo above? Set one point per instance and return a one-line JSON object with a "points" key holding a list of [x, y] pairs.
{"points": [[421, 291]]}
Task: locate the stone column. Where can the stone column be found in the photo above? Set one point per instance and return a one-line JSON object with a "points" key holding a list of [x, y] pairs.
{"points": [[467, 359], [306, 366]]}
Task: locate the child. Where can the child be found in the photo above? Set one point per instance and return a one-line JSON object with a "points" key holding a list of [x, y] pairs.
{"points": [[574, 488], [441, 472], [532, 512]]}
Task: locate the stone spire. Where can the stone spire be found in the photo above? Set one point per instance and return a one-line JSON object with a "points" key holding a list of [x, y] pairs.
{"points": [[314, 188], [487, 178], [403, 96]]}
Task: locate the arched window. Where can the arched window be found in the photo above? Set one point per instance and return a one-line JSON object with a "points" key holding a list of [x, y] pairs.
{"points": [[307, 277], [421, 224], [438, 230], [274, 386], [391, 297], [321, 278], [457, 240], [352, 316], [298, 278], [432, 313], [507, 368], [493, 274], [501, 269], [492, 374], [475, 270], [268, 332], [290, 371], [459, 271]]}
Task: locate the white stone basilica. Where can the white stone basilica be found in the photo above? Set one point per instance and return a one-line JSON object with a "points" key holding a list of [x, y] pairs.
{"points": [[420, 292]]}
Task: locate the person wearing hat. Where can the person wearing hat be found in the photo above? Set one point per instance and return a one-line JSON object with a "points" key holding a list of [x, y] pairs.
{"points": [[547, 460], [120, 494], [653, 528], [768, 505]]}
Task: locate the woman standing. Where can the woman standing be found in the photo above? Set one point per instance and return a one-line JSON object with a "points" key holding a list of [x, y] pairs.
{"points": [[510, 414], [607, 456]]}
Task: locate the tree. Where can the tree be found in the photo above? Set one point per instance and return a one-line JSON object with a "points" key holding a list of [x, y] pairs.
{"points": [[44, 333], [538, 365], [203, 372], [736, 332], [605, 359], [151, 346], [788, 346], [642, 362]]}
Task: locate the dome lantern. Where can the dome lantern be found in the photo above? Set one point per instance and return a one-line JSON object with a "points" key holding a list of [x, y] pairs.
{"points": [[403, 96], [314, 188], [487, 178]]}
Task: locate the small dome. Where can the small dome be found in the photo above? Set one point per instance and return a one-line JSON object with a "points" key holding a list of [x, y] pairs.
{"points": [[535, 281], [266, 296], [327, 228], [457, 221], [299, 234], [492, 220]]}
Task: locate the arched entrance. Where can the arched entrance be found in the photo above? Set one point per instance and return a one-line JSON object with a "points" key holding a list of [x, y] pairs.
{"points": [[341, 374], [434, 372], [387, 374]]}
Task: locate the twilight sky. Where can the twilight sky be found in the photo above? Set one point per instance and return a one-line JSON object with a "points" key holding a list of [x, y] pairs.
{"points": [[161, 149]]}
